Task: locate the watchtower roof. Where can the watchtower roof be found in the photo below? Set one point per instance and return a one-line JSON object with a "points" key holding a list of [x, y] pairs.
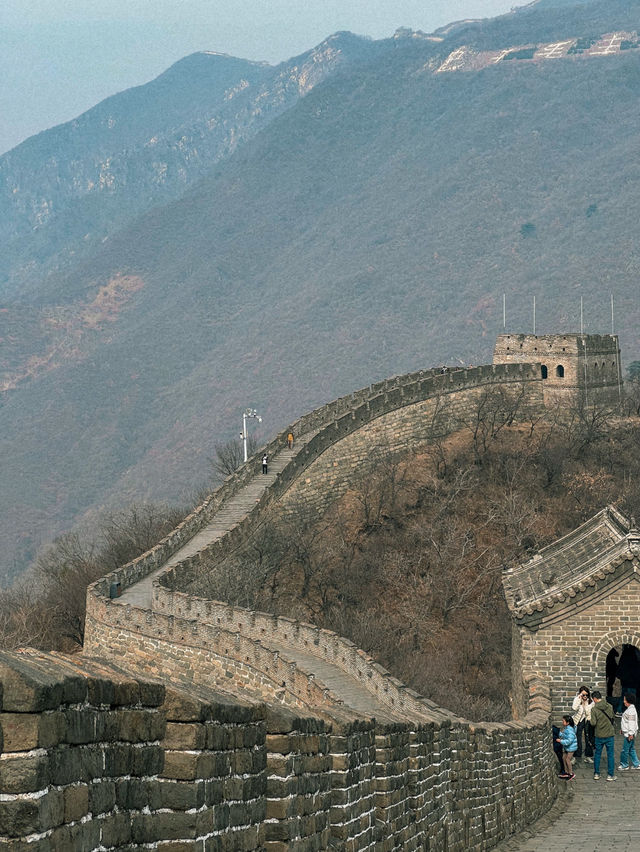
{"points": [[567, 567]]}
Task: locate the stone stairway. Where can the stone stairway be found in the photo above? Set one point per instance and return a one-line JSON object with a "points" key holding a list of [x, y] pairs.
{"points": [[140, 594]]}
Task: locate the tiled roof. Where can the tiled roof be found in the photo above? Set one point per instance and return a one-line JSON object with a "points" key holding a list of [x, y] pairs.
{"points": [[572, 564]]}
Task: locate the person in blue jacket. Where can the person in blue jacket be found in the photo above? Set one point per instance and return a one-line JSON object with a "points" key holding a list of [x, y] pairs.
{"points": [[569, 745]]}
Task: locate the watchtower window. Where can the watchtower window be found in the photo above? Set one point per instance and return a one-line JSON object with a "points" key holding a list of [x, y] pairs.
{"points": [[560, 371], [544, 371]]}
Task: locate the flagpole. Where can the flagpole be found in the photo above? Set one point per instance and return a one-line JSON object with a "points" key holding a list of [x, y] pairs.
{"points": [[534, 316]]}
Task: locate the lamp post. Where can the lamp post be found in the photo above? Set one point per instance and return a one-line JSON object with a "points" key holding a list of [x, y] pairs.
{"points": [[248, 412]]}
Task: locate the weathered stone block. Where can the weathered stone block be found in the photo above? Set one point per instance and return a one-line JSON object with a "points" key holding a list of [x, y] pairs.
{"points": [[181, 795], [80, 726], [138, 794], [102, 797], [24, 772], [147, 761], [20, 731], [181, 735], [150, 828], [116, 830], [79, 836], [182, 766], [76, 802]]}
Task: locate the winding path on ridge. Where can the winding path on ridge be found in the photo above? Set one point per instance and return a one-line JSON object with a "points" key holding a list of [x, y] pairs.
{"points": [[231, 513], [356, 697]]}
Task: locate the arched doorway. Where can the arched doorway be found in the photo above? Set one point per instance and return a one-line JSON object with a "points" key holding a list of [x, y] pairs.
{"points": [[622, 671], [617, 663]]}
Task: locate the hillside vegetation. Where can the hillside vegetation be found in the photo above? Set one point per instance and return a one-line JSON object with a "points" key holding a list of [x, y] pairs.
{"points": [[369, 229], [408, 564], [64, 190]]}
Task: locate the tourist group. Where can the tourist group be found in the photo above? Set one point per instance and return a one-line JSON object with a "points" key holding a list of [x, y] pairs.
{"points": [[591, 722]]}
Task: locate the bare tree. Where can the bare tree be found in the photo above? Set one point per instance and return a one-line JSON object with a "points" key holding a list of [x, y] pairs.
{"points": [[496, 409], [229, 456], [65, 568], [24, 620], [584, 427], [378, 489], [126, 533]]}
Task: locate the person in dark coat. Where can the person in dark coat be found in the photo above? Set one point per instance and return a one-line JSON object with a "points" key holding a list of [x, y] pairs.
{"points": [[628, 669], [557, 746], [611, 669]]}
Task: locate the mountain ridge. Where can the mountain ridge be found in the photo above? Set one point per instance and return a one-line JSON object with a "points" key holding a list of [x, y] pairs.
{"points": [[140, 148], [368, 230]]}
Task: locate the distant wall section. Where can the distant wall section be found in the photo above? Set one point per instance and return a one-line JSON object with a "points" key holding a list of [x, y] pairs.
{"points": [[450, 408]]}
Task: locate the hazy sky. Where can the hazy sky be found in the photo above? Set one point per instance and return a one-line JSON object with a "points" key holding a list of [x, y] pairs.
{"points": [[60, 57]]}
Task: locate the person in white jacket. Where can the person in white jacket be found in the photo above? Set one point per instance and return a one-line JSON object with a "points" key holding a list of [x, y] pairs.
{"points": [[582, 706], [629, 730]]}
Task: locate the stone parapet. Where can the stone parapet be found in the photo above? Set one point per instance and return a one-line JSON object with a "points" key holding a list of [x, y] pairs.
{"points": [[273, 631], [94, 758], [314, 433]]}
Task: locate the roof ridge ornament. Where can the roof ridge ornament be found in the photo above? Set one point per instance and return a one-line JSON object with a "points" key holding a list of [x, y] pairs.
{"points": [[633, 536]]}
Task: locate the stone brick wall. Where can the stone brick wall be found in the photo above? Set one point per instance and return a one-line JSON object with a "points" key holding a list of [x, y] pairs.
{"points": [[451, 408], [173, 648], [572, 651], [95, 758], [299, 789], [406, 416], [212, 787], [245, 628], [78, 757], [446, 782], [320, 430]]}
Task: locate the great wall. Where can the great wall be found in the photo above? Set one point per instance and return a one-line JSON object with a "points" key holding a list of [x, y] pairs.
{"points": [[190, 724]]}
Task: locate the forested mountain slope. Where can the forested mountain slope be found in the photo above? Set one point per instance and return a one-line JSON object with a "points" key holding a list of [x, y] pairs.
{"points": [[368, 230]]}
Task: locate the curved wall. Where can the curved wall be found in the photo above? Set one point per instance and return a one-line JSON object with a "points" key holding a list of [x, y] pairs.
{"points": [[433, 780]]}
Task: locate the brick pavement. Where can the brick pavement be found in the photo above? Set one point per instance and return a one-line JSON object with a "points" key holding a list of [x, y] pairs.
{"points": [[589, 816]]}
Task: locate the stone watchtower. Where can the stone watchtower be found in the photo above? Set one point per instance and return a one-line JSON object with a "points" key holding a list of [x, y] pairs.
{"points": [[571, 604], [575, 368]]}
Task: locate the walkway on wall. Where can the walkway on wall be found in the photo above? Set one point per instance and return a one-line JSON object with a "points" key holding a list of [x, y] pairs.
{"points": [[597, 816], [354, 695], [140, 594]]}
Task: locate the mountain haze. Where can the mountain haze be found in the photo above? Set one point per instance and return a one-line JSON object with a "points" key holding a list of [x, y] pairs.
{"points": [[65, 189], [368, 229]]}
